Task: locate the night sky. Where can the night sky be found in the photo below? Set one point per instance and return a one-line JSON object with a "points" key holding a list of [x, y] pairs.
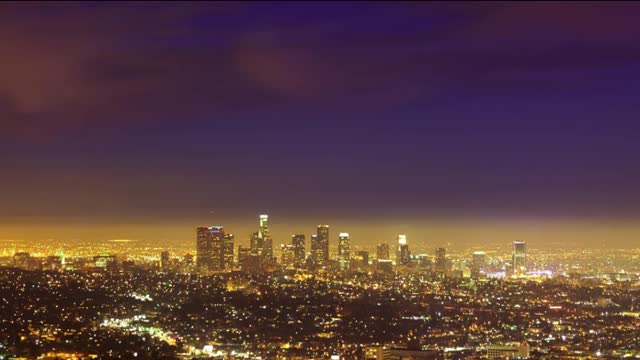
{"points": [[450, 122]]}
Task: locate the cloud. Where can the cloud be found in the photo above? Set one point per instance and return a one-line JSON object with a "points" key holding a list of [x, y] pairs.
{"points": [[68, 66]]}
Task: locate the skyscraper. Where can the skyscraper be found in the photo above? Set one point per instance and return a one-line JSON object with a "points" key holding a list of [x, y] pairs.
{"points": [[440, 265], [402, 251], [265, 241], [244, 253], [316, 251], [228, 251], [477, 263], [519, 258], [210, 248], [382, 252], [343, 251], [287, 255], [320, 245], [263, 228], [405, 255], [217, 242], [204, 249], [187, 262], [299, 255], [254, 244]]}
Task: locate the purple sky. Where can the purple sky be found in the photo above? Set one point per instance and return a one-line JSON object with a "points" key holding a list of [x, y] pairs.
{"points": [[358, 110]]}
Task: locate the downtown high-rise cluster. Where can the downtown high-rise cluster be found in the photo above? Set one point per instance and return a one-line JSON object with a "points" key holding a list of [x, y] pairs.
{"points": [[215, 252]]}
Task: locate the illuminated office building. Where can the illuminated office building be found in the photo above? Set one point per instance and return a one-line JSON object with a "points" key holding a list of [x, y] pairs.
{"points": [[402, 252], [264, 239], [299, 255], [316, 251], [263, 228], [343, 251], [440, 264], [287, 255], [519, 259], [204, 249], [320, 246], [217, 241], [477, 263], [255, 245], [187, 262], [382, 252], [210, 248], [508, 351], [229, 240]]}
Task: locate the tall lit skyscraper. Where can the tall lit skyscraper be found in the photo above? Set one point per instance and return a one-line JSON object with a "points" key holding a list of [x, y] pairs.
{"points": [[519, 257], [405, 255], [402, 251], [316, 250], [320, 245], [323, 235], [287, 255], [204, 249], [382, 252], [210, 248], [299, 255], [217, 242], [264, 236], [228, 251], [477, 263], [440, 265], [187, 262], [263, 228], [344, 254], [254, 244]]}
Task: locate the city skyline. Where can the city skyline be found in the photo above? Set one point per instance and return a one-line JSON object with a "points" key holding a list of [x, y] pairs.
{"points": [[456, 234]]}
